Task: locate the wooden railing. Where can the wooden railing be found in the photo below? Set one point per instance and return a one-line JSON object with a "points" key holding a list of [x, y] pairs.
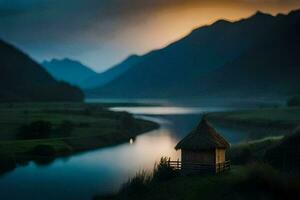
{"points": [[199, 167], [222, 167]]}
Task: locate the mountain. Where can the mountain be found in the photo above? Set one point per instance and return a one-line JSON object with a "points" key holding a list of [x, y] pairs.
{"points": [[22, 79], [111, 74], [216, 60], [69, 70], [271, 67], [82, 76]]}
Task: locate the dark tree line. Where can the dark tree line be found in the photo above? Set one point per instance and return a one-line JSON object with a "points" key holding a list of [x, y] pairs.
{"points": [[45, 129]]}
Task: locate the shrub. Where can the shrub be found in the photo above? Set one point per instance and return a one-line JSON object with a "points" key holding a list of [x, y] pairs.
{"points": [[142, 180], [43, 150], [65, 128], [286, 154], [241, 155], [293, 101], [137, 184], [162, 171], [35, 130]]}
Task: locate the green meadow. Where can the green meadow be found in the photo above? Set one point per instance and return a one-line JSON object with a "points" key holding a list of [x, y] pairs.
{"points": [[260, 123], [279, 117], [70, 127]]}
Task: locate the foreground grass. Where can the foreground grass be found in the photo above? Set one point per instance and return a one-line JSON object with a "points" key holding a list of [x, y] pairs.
{"points": [[93, 126], [258, 181], [253, 150]]}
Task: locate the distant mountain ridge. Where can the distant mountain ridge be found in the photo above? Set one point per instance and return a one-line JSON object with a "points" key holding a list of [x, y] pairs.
{"points": [[111, 74], [22, 79], [82, 76], [257, 55], [69, 70]]}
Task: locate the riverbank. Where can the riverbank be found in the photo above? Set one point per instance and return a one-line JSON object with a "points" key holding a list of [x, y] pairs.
{"points": [[242, 182], [260, 169], [70, 128], [260, 123], [266, 168]]}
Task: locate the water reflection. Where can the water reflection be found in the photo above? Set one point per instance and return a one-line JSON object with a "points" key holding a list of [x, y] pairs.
{"points": [[86, 174], [167, 110], [102, 171], [131, 141]]}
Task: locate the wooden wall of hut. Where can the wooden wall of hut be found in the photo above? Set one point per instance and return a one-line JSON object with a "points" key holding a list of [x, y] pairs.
{"points": [[203, 157], [220, 155]]}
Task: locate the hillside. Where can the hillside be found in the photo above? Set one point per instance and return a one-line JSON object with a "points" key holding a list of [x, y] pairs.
{"points": [[253, 56], [259, 123], [269, 68], [111, 74], [22, 79]]}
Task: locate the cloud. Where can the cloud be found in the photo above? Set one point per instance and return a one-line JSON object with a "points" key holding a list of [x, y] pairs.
{"points": [[102, 32]]}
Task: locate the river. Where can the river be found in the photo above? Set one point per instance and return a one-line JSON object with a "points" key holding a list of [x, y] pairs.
{"points": [[103, 171]]}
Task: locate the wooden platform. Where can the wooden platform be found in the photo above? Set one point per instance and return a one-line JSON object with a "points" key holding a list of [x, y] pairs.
{"points": [[199, 168]]}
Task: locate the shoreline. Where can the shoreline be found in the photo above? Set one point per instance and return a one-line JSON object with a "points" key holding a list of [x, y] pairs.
{"points": [[259, 123], [25, 157], [18, 152], [248, 159]]}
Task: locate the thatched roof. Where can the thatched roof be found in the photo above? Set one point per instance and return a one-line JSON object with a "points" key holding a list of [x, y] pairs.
{"points": [[203, 137]]}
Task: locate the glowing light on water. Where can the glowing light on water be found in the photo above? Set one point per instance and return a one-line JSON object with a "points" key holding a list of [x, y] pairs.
{"points": [[104, 170], [160, 110], [167, 110]]}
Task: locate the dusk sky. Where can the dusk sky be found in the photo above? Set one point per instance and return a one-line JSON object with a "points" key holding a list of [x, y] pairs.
{"points": [[101, 33]]}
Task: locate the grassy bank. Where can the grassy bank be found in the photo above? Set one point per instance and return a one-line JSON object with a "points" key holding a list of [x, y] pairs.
{"points": [[255, 181], [258, 172], [251, 151], [260, 123], [71, 127]]}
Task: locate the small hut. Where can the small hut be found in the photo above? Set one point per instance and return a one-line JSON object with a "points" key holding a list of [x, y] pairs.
{"points": [[203, 150]]}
